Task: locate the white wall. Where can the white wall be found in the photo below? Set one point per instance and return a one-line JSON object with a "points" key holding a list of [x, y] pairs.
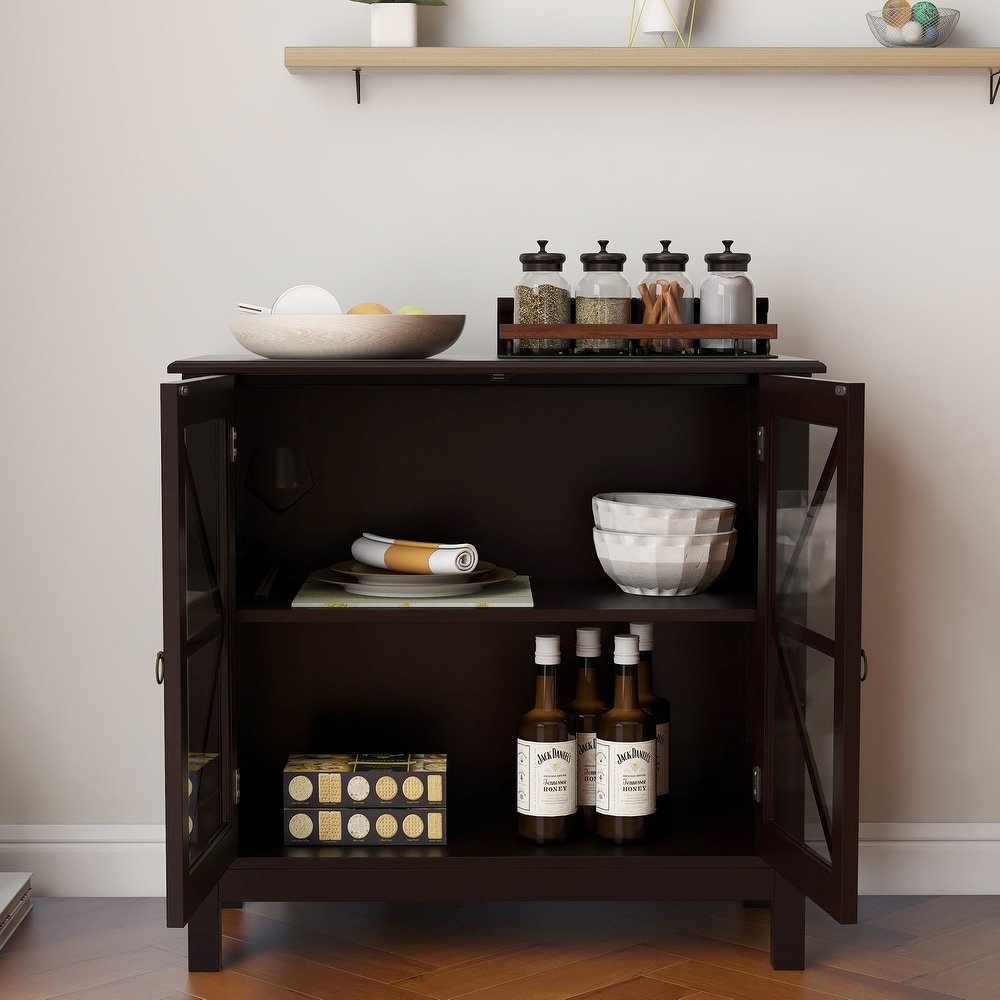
{"points": [[159, 164]]}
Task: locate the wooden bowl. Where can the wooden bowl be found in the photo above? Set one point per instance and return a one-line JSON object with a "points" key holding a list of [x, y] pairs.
{"points": [[350, 336]]}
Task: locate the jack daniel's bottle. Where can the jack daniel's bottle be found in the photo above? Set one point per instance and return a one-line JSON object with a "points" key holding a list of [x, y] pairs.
{"points": [[626, 755], [658, 707], [546, 756], [586, 708]]}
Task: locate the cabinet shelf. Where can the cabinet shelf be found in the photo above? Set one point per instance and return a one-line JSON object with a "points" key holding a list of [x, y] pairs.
{"points": [[706, 833], [571, 601], [706, 845]]}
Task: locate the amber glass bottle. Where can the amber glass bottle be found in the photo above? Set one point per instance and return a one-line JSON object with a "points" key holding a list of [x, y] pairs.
{"points": [[626, 755], [586, 708], [658, 707], [546, 756]]}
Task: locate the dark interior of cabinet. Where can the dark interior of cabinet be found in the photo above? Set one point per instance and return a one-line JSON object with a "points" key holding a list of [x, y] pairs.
{"points": [[511, 469]]}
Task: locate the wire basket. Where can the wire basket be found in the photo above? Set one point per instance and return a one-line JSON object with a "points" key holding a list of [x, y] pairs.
{"points": [[921, 26]]}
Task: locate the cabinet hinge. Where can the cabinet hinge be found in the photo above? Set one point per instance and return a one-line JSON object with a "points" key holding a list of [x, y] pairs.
{"points": [[755, 784], [236, 787], [232, 444], [760, 444]]}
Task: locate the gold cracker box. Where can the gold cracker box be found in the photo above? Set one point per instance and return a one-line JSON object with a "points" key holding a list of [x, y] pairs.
{"points": [[388, 781], [347, 827]]}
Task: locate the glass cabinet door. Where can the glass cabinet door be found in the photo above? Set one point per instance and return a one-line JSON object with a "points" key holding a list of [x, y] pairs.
{"points": [[810, 507], [196, 418]]}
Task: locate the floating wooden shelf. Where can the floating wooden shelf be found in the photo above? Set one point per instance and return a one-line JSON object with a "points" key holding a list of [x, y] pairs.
{"points": [[874, 57], [470, 59]]}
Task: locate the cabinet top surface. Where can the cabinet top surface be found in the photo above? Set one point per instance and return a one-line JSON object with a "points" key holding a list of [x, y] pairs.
{"points": [[501, 369]]}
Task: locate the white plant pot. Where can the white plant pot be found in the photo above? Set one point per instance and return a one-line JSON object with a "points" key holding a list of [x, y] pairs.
{"points": [[395, 23], [655, 20]]}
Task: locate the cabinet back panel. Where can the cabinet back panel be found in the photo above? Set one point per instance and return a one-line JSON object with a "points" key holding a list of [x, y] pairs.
{"points": [[459, 689], [509, 468]]}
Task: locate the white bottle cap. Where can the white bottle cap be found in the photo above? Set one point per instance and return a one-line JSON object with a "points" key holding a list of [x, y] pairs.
{"points": [[588, 641], [626, 649], [547, 649], [644, 630]]}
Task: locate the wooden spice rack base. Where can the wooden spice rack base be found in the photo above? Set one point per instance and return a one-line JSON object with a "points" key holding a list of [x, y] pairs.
{"points": [[635, 338]]}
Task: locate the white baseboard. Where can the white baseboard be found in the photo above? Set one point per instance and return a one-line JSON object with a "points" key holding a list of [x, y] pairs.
{"points": [[87, 860], [929, 859], [896, 859]]}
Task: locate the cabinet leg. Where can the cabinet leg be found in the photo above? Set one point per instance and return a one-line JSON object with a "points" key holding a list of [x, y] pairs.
{"points": [[205, 935], [788, 926]]}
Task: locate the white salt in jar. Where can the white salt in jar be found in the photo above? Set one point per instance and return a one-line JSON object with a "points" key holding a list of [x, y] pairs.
{"points": [[726, 296]]}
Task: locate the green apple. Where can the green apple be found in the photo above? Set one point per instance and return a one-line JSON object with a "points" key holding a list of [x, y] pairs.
{"points": [[412, 311]]}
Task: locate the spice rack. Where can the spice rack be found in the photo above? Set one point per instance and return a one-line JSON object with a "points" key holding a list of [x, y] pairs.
{"points": [[757, 338]]}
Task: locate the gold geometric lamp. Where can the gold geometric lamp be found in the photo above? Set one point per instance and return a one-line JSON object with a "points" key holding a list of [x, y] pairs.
{"points": [[672, 20]]}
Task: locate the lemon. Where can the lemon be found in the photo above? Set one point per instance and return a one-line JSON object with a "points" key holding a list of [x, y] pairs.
{"points": [[368, 308], [412, 311]]}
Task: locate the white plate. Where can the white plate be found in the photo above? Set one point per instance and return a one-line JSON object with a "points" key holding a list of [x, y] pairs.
{"points": [[496, 575], [350, 571]]}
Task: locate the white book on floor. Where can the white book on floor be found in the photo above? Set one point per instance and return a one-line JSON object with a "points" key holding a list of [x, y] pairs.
{"points": [[15, 902]]}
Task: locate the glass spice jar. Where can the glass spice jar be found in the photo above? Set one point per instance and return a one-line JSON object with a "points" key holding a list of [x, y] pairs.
{"points": [[542, 297], [727, 296], [667, 298], [603, 296]]}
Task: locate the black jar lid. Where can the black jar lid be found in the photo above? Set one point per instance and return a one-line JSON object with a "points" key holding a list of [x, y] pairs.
{"points": [[603, 260], [543, 260], [727, 260], [664, 260]]}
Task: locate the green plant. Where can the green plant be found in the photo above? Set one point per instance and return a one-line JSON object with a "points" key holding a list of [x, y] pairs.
{"points": [[419, 3]]}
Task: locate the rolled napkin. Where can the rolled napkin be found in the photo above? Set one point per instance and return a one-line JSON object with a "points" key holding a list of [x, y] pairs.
{"points": [[414, 557]]}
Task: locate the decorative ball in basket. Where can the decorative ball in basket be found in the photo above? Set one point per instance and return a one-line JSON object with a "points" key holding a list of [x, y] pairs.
{"points": [[922, 25]]}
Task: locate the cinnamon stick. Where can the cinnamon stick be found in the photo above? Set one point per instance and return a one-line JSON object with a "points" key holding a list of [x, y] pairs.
{"points": [[674, 292], [648, 302]]}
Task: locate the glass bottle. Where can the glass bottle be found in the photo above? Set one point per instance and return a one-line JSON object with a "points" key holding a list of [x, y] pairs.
{"points": [[542, 297], [626, 755], [667, 298], [657, 706], [586, 708], [546, 756], [603, 297], [727, 296]]}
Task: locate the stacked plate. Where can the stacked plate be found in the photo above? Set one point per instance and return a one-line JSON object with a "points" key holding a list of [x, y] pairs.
{"points": [[663, 544], [372, 581]]}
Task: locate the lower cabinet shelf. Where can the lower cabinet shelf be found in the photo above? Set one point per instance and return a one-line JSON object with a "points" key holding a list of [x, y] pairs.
{"points": [[702, 850]]}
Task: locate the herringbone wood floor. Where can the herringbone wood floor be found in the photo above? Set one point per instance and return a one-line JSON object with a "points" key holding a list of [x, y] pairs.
{"points": [[913, 948]]}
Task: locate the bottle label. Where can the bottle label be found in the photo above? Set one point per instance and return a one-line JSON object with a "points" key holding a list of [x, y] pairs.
{"points": [[663, 758], [546, 778], [626, 778], [586, 769]]}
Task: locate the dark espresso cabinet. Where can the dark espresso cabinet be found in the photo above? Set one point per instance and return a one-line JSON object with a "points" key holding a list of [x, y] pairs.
{"points": [[272, 468]]}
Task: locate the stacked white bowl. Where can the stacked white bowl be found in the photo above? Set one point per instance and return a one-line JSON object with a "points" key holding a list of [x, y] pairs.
{"points": [[663, 544]]}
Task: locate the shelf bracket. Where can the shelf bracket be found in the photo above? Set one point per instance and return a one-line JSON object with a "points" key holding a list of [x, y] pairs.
{"points": [[994, 85], [357, 83]]}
